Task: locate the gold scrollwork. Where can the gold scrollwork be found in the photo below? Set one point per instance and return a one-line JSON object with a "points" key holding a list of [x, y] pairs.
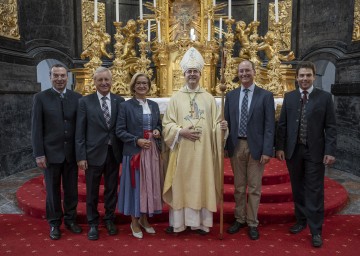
{"points": [[87, 11], [285, 18], [356, 30], [9, 19]]}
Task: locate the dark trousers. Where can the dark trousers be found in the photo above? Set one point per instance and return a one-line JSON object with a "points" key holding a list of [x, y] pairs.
{"points": [[307, 182], [55, 174], [110, 170]]}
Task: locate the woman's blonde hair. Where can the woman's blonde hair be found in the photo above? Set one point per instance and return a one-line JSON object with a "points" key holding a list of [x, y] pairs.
{"points": [[134, 80]]}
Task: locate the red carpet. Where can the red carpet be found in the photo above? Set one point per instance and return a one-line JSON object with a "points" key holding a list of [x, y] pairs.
{"points": [[24, 235], [276, 200]]}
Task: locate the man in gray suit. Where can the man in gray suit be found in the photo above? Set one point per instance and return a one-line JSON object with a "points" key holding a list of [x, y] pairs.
{"points": [[250, 113], [53, 141], [306, 138], [98, 151]]}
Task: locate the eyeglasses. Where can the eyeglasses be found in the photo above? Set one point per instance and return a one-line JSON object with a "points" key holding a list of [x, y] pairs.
{"points": [[192, 72], [141, 83]]}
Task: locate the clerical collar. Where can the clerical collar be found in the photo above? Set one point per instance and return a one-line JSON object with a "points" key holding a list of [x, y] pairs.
{"points": [[63, 92], [192, 90], [308, 90]]}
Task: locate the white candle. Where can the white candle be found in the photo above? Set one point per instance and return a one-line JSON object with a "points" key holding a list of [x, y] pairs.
{"points": [[159, 30], [229, 9], [154, 3], [214, 2], [209, 30], [117, 10], [95, 11], [149, 30], [220, 33], [255, 10], [141, 9], [276, 10], [192, 34]]}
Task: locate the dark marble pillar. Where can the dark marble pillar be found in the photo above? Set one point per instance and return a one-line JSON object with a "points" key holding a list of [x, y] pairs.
{"points": [[17, 87], [347, 108]]}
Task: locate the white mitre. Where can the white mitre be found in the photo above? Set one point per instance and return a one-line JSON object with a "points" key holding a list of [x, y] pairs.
{"points": [[192, 59]]}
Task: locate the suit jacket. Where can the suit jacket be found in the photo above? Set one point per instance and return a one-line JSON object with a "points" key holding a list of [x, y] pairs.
{"points": [[321, 124], [53, 123], [129, 126], [92, 134], [260, 125]]}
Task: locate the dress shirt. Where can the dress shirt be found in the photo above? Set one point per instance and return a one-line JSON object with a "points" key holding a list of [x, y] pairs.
{"points": [[100, 96]]}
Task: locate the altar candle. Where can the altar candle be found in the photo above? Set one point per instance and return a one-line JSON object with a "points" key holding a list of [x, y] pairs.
{"points": [[229, 9], [117, 10], [141, 9], [154, 3], [149, 30], [220, 33], [159, 30], [209, 30], [95, 11], [214, 2], [255, 10], [276, 10]]}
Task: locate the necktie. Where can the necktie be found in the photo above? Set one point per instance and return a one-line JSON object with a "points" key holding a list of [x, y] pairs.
{"points": [[303, 121], [106, 111], [244, 114]]}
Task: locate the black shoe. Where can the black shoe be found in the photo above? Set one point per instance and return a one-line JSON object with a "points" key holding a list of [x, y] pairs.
{"points": [[93, 233], [316, 241], [253, 233], [297, 228], [235, 227], [73, 227], [169, 230], [55, 233], [111, 228], [201, 232]]}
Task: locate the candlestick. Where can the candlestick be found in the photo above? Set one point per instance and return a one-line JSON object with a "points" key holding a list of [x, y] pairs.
{"points": [[141, 9], [276, 11], [149, 30], [95, 11], [255, 10], [209, 30], [229, 9], [159, 30], [117, 10], [220, 33]]}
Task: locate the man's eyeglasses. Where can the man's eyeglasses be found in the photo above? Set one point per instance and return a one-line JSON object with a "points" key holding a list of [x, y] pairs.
{"points": [[192, 72]]}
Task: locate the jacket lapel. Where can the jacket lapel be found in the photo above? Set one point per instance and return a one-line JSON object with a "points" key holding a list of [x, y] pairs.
{"points": [[254, 99], [113, 115]]}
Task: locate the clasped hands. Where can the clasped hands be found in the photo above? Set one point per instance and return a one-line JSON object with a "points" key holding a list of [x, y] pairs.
{"points": [[194, 134], [145, 143]]}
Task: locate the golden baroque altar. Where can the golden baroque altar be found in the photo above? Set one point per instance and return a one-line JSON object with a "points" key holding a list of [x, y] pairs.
{"points": [[158, 41]]}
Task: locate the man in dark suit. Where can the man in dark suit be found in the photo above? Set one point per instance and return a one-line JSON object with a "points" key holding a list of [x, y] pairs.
{"points": [[53, 142], [306, 138], [250, 113], [98, 151]]}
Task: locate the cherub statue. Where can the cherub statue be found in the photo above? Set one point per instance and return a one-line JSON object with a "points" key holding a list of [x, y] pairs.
{"points": [[129, 32], [243, 35], [268, 47], [97, 47]]}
